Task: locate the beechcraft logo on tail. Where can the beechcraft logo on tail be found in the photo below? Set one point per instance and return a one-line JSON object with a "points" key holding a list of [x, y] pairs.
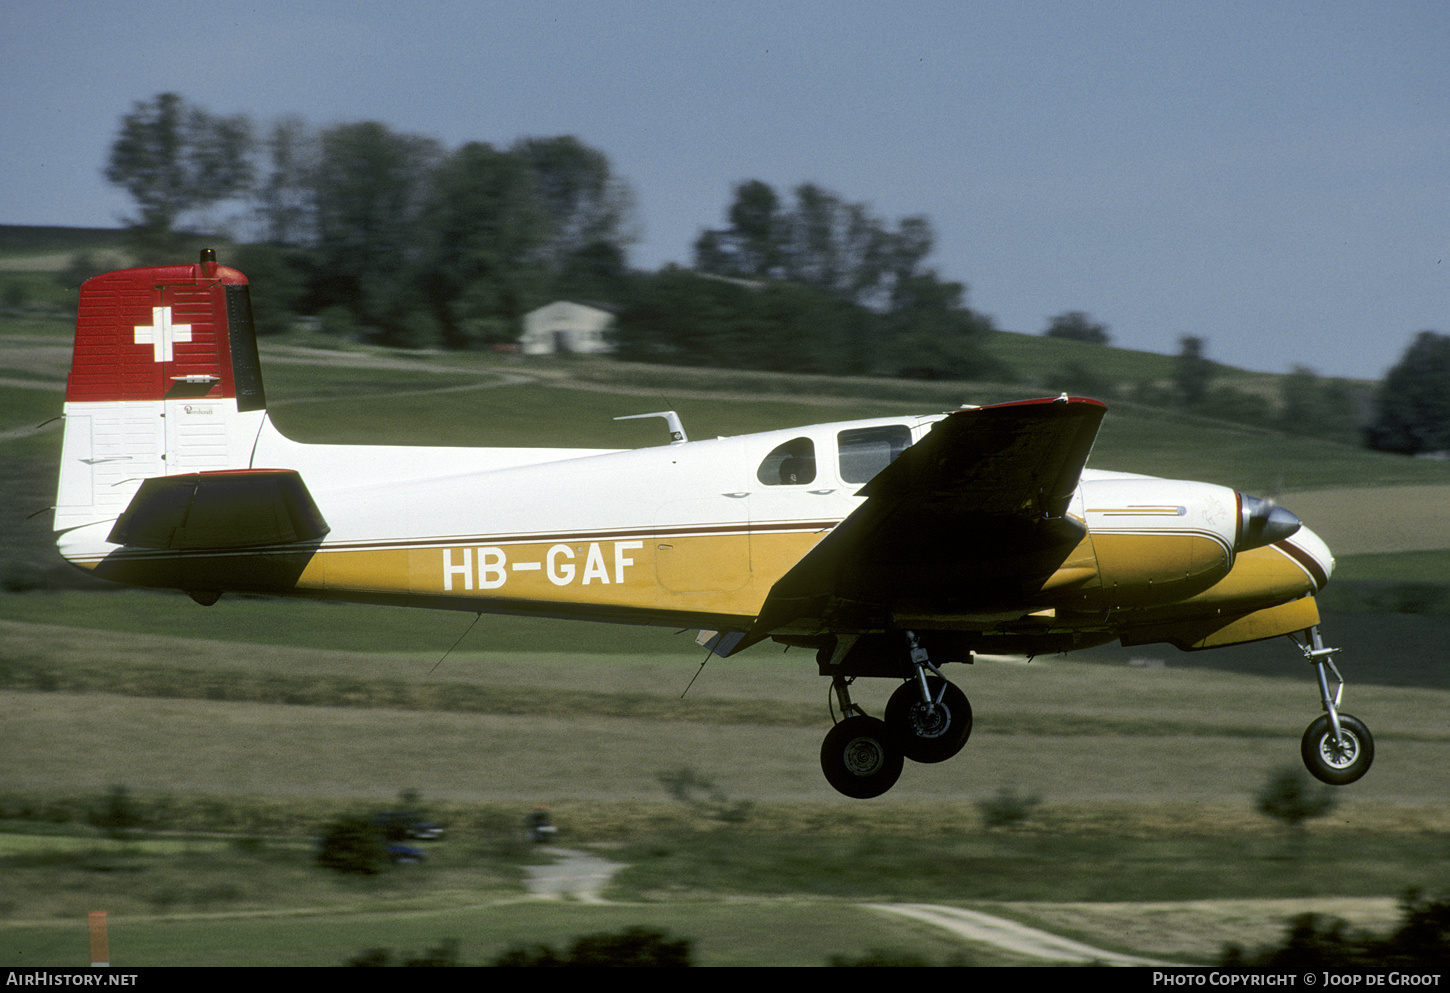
{"points": [[162, 334]]}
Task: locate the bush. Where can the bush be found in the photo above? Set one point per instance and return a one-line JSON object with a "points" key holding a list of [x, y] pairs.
{"points": [[700, 793], [1292, 798], [353, 845], [631, 948], [1314, 942], [1007, 808], [878, 958], [444, 956], [118, 816]]}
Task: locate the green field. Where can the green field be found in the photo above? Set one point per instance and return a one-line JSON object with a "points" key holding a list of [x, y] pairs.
{"points": [[240, 730]]}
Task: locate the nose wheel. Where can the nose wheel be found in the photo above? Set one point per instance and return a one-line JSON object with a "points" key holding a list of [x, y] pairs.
{"points": [[1337, 748], [1337, 759]]}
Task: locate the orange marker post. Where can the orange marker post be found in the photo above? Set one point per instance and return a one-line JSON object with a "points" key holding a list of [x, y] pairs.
{"points": [[100, 946]]}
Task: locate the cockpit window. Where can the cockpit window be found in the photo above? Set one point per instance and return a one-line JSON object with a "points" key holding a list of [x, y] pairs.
{"points": [[866, 451], [791, 464]]}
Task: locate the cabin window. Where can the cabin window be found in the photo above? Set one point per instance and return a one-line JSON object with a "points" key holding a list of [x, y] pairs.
{"points": [[791, 464], [866, 451]]}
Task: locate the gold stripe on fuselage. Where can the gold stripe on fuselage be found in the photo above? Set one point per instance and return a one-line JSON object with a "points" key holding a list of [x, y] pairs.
{"points": [[725, 570]]}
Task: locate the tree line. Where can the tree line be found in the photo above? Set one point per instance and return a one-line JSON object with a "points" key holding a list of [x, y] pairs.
{"points": [[388, 236], [391, 237]]}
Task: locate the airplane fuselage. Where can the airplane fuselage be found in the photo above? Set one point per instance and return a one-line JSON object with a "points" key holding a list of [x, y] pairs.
{"points": [[688, 534]]}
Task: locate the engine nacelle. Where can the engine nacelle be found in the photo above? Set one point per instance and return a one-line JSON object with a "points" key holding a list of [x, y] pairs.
{"points": [[1159, 541]]}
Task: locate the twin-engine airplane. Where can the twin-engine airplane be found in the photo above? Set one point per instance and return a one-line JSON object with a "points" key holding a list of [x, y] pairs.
{"points": [[889, 546]]}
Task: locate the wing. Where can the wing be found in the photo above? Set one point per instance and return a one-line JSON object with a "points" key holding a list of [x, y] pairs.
{"points": [[967, 521]]}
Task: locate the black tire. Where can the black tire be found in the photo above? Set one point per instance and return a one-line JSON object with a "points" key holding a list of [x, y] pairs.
{"points": [[933, 735], [1337, 765], [861, 757]]}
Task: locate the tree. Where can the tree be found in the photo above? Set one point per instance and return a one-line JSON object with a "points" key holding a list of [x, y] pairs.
{"points": [[588, 212], [822, 241], [277, 276], [1077, 326], [683, 318], [480, 231], [750, 248], [1315, 407], [1192, 371], [1412, 408], [368, 187], [284, 199], [932, 334], [1008, 808], [119, 816], [175, 159], [1313, 942], [634, 947], [823, 286]]}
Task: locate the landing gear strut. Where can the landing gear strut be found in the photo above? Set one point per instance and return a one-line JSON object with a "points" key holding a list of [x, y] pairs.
{"points": [[927, 720], [932, 716], [861, 756], [1337, 748]]}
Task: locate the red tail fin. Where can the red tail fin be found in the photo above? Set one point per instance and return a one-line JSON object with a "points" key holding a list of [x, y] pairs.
{"points": [[164, 380], [167, 332]]}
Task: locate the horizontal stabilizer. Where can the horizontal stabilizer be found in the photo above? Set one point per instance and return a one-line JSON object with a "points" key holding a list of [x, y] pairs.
{"points": [[236, 508]]}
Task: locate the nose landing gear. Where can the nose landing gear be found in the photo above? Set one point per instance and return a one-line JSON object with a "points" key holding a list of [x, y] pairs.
{"points": [[1337, 748]]}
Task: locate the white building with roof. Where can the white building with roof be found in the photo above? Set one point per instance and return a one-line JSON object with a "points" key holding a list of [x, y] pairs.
{"points": [[567, 326]]}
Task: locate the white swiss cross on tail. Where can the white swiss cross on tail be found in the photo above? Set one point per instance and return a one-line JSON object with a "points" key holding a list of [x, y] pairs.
{"points": [[162, 333]]}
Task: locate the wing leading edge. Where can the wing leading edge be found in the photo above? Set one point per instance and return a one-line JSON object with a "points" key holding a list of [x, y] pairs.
{"points": [[971, 518]]}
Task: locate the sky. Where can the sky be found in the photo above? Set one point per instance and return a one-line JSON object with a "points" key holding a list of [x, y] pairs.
{"points": [[1271, 177]]}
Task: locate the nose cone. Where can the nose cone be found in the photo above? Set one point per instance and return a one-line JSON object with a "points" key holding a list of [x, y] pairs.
{"points": [[1263, 522], [1313, 556]]}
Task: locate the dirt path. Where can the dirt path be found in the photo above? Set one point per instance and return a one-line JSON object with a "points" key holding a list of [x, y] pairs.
{"points": [[582, 876], [1191, 930], [577, 875], [1010, 936]]}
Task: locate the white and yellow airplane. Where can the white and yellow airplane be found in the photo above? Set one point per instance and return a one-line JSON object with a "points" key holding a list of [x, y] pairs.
{"points": [[889, 546]]}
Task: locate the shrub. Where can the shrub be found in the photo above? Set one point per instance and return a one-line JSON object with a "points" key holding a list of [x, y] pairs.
{"points": [[354, 846], [632, 948], [1007, 808], [118, 816], [1292, 798], [1314, 942]]}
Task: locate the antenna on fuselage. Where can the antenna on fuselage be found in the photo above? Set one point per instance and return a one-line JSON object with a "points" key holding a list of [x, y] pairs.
{"points": [[476, 616], [672, 421]]}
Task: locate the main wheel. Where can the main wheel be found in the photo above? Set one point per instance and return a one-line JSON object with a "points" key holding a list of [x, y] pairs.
{"points": [[930, 734], [1342, 762], [861, 757]]}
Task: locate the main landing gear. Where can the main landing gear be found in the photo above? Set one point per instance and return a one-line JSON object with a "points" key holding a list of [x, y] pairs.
{"points": [[1337, 748], [927, 720]]}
